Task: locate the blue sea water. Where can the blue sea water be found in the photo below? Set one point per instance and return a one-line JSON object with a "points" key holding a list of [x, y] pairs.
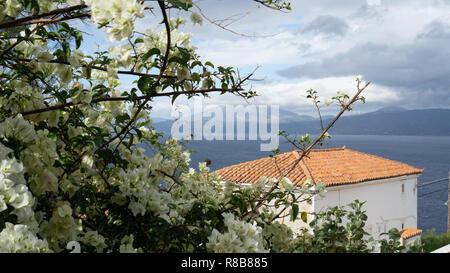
{"points": [[425, 152]]}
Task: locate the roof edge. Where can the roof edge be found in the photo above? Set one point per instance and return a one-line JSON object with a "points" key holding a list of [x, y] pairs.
{"points": [[370, 180]]}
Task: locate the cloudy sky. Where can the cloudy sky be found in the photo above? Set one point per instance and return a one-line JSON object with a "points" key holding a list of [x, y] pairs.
{"points": [[401, 46]]}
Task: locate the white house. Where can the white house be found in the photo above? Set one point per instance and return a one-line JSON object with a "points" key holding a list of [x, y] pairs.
{"points": [[388, 187]]}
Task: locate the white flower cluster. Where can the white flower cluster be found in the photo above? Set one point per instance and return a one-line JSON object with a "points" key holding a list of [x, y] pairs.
{"points": [[94, 239], [143, 181], [285, 183], [40, 62], [23, 98], [19, 239], [206, 187], [120, 13], [126, 245], [196, 18], [17, 128], [106, 112], [9, 8], [39, 159], [12, 8], [151, 40], [14, 191], [240, 237], [62, 227], [139, 185], [143, 191]]}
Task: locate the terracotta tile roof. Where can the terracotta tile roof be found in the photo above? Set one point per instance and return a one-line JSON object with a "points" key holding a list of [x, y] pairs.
{"points": [[331, 166], [410, 232]]}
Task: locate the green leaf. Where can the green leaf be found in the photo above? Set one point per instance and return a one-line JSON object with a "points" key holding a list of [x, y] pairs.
{"points": [[304, 216], [138, 133], [186, 56], [295, 211], [65, 25], [178, 60], [145, 84], [151, 52], [122, 118], [180, 4], [196, 63], [32, 4], [89, 70], [78, 39], [195, 77], [174, 97], [27, 32]]}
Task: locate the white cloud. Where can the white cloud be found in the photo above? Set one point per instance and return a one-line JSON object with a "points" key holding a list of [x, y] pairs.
{"points": [[291, 95], [279, 49], [374, 2]]}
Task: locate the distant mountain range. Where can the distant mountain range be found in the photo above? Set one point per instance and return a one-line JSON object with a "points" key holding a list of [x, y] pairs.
{"points": [[385, 121]]}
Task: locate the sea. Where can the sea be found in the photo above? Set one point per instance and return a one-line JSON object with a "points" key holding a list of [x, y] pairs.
{"points": [[431, 153]]}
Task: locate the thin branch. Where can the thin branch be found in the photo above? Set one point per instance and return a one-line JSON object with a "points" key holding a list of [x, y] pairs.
{"points": [[168, 94], [262, 2], [21, 21], [318, 112], [16, 43], [56, 20], [169, 176], [319, 138], [35, 19], [12, 46], [176, 181], [224, 27], [309, 148], [169, 41], [124, 72], [232, 19]]}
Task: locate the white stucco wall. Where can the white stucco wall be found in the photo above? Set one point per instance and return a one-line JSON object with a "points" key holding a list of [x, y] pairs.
{"points": [[386, 207], [410, 241]]}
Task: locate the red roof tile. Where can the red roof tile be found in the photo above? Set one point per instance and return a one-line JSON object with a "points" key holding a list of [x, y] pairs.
{"points": [[331, 166], [410, 232]]}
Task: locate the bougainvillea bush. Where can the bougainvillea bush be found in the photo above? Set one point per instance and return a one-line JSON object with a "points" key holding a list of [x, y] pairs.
{"points": [[74, 175]]}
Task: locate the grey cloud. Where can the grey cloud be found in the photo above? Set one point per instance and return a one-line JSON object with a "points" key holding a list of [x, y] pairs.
{"points": [[366, 11], [261, 21], [326, 24], [435, 30], [420, 70]]}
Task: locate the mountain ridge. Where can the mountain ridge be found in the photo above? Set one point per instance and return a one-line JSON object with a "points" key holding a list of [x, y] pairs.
{"points": [[384, 121]]}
